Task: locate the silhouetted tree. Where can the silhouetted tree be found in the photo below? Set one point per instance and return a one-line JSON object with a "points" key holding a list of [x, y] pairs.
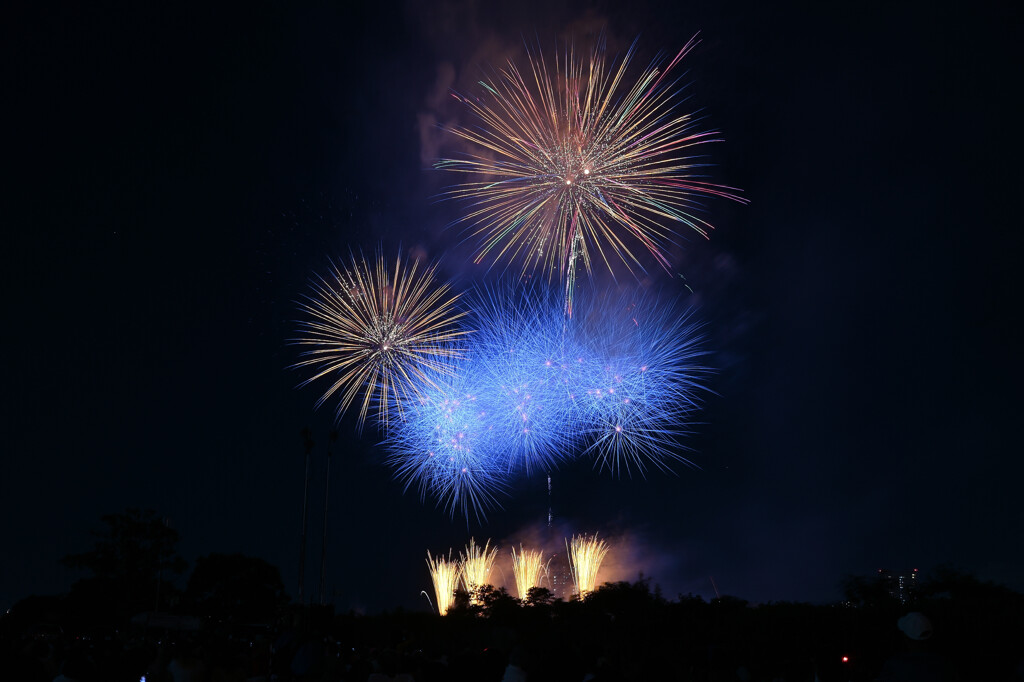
{"points": [[971, 615], [462, 604], [624, 596], [497, 602], [947, 581], [131, 563], [539, 596]]}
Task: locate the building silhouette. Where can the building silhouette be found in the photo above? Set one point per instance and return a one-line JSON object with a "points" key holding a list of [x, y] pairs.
{"points": [[901, 586]]}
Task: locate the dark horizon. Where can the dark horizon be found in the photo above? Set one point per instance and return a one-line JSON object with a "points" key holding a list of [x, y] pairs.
{"points": [[180, 174]]}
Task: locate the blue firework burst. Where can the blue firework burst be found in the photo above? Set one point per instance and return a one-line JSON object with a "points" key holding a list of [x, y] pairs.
{"points": [[447, 447], [619, 381], [518, 353], [649, 387]]}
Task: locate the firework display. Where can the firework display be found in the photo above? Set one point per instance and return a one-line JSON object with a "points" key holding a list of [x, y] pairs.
{"points": [[585, 557], [618, 381], [528, 567], [445, 574], [377, 331], [476, 564], [572, 162]]}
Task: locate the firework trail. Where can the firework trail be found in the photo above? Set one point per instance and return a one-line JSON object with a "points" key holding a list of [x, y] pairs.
{"points": [[445, 574], [476, 566], [527, 566], [585, 557], [383, 332], [572, 164]]}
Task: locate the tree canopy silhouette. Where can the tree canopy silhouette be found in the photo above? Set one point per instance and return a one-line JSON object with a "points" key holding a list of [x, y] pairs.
{"points": [[131, 562]]}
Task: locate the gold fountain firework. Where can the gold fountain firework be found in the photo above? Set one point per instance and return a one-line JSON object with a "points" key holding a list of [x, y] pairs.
{"points": [[445, 573], [585, 557], [527, 567], [380, 331], [476, 566]]}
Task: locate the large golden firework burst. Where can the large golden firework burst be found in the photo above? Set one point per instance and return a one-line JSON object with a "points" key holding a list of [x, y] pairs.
{"points": [[572, 164], [378, 333]]}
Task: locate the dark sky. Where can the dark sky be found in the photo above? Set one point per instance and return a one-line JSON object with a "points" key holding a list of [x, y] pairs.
{"points": [[174, 177]]}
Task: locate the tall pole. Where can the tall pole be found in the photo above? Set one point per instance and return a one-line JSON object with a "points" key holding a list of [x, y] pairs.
{"points": [[551, 516], [307, 442], [323, 549]]}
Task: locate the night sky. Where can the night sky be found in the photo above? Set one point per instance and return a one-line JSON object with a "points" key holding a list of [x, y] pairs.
{"points": [[175, 176]]}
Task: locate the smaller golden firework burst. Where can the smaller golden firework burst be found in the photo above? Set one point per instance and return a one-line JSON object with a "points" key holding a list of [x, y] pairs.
{"points": [[378, 333]]}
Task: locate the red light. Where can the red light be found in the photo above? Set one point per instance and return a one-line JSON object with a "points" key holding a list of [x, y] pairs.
{"points": [[846, 659]]}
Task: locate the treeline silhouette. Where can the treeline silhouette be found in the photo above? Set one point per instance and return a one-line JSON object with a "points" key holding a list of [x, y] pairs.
{"points": [[233, 621]]}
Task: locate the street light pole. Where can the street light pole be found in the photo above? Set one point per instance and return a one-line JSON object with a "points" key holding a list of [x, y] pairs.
{"points": [[307, 442], [323, 549]]}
